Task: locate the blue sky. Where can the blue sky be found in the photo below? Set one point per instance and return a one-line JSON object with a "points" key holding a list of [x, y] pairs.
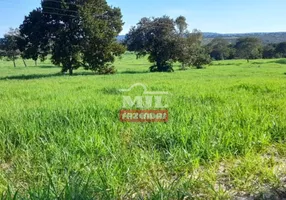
{"points": [[222, 16]]}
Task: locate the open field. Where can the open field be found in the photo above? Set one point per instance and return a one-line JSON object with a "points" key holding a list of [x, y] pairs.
{"points": [[60, 136]]}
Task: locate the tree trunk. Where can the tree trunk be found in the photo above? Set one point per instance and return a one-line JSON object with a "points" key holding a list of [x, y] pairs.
{"points": [[70, 71], [24, 62], [14, 62], [69, 67], [36, 63]]}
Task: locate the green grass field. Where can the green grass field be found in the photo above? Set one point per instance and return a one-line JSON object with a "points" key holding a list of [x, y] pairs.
{"points": [[60, 136]]}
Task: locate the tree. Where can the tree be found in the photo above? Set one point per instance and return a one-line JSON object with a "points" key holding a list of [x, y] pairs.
{"points": [[281, 49], [190, 51], [100, 45], [157, 38], [2, 52], [200, 58], [219, 49], [62, 25], [9, 47], [78, 32], [181, 23], [269, 51], [248, 48], [34, 42]]}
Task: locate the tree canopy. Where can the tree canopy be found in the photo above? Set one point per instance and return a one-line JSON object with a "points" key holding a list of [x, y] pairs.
{"points": [[34, 42], [165, 41], [9, 47], [248, 48], [219, 49], [281, 49], [76, 33], [155, 37]]}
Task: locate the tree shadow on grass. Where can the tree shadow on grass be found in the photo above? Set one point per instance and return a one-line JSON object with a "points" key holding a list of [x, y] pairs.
{"points": [[226, 64], [134, 72], [31, 76], [280, 61], [41, 76], [48, 66], [258, 63]]}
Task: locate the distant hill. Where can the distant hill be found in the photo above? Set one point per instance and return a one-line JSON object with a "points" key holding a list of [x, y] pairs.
{"points": [[266, 38]]}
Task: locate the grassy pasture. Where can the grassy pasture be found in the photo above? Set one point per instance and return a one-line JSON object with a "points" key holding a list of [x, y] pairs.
{"points": [[60, 136]]}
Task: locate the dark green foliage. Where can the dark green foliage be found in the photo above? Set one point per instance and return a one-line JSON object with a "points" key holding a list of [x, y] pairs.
{"points": [[9, 47], [2, 52], [269, 51], [190, 51], [248, 48], [219, 49], [266, 38], [281, 50], [100, 46], [157, 38], [34, 41], [166, 41], [62, 25], [200, 58], [76, 33]]}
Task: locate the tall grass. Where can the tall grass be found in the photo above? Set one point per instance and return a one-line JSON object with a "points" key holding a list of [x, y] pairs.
{"points": [[61, 138]]}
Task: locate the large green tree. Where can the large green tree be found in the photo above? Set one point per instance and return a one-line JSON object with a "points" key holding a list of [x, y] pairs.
{"points": [[248, 48], [269, 51], [190, 51], [9, 47], [155, 37], [100, 46], [77, 32], [219, 49], [34, 40]]}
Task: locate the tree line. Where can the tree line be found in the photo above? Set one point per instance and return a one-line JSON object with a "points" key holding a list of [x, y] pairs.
{"points": [[244, 48], [82, 33]]}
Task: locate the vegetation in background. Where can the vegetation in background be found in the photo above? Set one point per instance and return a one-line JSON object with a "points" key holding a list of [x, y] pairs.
{"points": [[269, 51], [244, 48], [9, 47], [280, 50], [80, 33], [220, 49], [166, 41], [266, 38], [155, 37], [34, 42], [248, 48]]}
